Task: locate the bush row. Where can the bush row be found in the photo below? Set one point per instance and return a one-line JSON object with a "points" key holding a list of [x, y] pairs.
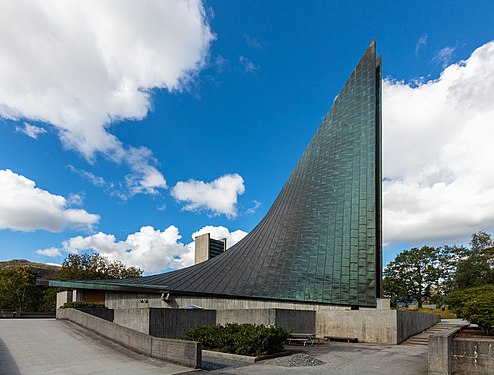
{"points": [[243, 339], [80, 305]]}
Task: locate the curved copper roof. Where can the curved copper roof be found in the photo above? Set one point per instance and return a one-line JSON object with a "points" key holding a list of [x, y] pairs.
{"points": [[321, 239]]}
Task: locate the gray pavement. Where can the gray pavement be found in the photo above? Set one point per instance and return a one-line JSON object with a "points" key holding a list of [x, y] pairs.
{"points": [[352, 359], [345, 359], [48, 346]]}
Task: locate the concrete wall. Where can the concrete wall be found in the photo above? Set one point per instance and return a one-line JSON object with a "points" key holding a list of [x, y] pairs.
{"points": [[410, 323], [124, 300], [379, 326], [107, 314], [172, 323], [472, 356], [300, 321], [136, 319], [186, 353], [63, 297]]}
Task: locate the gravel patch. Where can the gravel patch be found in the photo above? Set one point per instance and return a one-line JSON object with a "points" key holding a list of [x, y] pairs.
{"points": [[294, 360]]}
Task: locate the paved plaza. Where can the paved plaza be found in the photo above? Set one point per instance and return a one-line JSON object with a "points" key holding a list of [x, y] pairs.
{"points": [[48, 346]]}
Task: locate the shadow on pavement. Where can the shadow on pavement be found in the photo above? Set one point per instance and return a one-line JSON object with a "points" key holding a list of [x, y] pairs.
{"points": [[8, 366]]}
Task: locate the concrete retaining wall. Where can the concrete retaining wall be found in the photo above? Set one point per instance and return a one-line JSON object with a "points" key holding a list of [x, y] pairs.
{"points": [[410, 323], [172, 323], [300, 321], [186, 353], [472, 356], [107, 314], [136, 319], [379, 326]]}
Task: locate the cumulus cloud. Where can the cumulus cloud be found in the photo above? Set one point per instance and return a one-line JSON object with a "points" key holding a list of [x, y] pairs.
{"points": [[25, 207], [31, 131], [220, 232], [218, 196], [82, 65], [49, 252], [150, 249], [437, 145]]}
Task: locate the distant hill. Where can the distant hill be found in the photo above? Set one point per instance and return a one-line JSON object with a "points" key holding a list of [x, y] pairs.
{"points": [[44, 270]]}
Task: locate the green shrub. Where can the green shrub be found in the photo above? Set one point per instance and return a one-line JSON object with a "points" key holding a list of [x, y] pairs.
{"points": [[475, 305], [81, 305], [243, 339]]}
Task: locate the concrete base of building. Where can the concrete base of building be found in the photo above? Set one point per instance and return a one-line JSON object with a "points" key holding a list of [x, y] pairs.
{"points": [[373, 325], [377, 326]]}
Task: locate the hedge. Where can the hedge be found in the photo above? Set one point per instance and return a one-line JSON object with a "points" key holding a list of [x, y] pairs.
{"points": [[80, 304], [243, 339]]}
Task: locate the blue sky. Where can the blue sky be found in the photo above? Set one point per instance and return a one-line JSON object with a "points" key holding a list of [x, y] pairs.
{"points": [[126, 128]]}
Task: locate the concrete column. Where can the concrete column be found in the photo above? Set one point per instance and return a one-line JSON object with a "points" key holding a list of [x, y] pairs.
{"points": [[383, 304], [440, 346], [201, 248]]}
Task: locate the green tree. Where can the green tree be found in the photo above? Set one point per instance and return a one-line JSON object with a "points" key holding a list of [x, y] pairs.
{"points": [[18, 290], [476, 266], [95, 267], [414, 275], [480, 241], [475, 305]]}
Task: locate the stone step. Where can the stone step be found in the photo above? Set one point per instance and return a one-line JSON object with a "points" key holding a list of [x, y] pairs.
{"points": [[423, 337]]}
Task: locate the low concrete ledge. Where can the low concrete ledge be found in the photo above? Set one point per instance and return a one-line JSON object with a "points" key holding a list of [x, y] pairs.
{"points": [[185, 353], [246, 358], [439, 352]]}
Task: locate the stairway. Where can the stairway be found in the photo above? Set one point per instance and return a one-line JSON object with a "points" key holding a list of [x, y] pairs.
{"points": [[444, 325]]}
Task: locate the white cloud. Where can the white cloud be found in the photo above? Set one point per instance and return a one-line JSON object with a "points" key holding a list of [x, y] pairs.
{"points": [[220, 232], [25, 207], [75, 199], [252, 210], [30, 130], [420, 43], [81, 65], [437, 146], [150, 249], [248, 65], [89, 176], [218, 196], [444, 56], [49, 252], [254, 43]]}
